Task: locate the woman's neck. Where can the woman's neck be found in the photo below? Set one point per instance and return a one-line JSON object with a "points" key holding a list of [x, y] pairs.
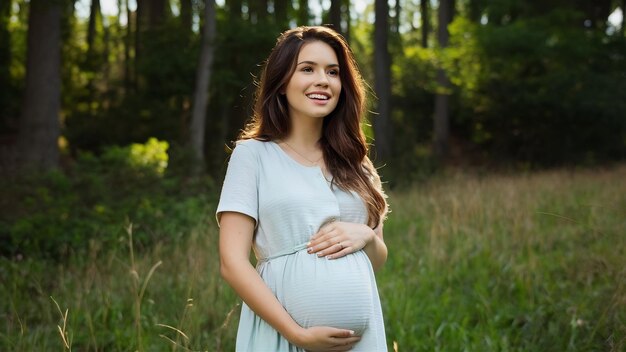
{"points": [[305, 133]]}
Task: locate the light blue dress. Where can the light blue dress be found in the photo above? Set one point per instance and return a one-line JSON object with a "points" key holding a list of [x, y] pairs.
{"points": [[290, 202]]}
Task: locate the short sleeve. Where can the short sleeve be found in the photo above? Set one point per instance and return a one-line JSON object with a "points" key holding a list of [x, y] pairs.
{"points": [[240, 188]]}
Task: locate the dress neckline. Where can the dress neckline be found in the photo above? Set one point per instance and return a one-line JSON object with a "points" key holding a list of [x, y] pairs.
{"points": [[296, 162], [282, 151]]}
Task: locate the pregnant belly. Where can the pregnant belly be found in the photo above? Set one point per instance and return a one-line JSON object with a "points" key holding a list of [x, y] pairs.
{"points": [[336, 293]]}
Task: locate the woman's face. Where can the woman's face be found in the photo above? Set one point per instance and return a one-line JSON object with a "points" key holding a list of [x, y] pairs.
{"points": [[314, 88]]}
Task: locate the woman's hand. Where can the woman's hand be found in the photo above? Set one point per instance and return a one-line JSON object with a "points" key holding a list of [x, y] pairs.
{"points": [[323, 338], [338, 239]]}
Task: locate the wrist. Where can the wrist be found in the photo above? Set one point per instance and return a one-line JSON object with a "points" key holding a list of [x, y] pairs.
{"points": [[371, 236], [370, 240], [295, 334]]}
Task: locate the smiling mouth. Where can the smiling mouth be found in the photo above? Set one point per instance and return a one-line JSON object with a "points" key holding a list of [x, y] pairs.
{"points": [[318, 96]]}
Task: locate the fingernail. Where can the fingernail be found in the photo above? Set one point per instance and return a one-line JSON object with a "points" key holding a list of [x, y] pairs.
{"points": [[328, 257], [308, 243], [309, 250], [351, 332]]}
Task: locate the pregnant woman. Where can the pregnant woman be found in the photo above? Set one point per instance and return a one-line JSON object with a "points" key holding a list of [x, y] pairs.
{"points": [[302, 193]]}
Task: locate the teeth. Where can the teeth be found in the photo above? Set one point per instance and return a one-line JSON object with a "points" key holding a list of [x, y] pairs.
{"points": [[317, 96]]}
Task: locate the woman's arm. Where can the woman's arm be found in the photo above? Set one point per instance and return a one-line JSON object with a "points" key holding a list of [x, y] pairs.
{"points": [[376, 249], [236, 233]]}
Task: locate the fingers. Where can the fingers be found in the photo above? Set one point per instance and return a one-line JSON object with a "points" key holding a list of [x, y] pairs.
{"points": [[345, 251], [345, 343], [326, 249], [334, 247], [347, 346], [326, 241], [343, 333], [338, 239], [323, 233], [326, 338]]}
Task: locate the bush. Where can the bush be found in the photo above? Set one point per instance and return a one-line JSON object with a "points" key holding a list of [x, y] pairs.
{"points": [[56, 214]]}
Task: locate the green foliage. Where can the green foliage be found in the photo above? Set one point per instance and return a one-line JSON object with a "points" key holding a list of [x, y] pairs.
{"points": [[539, 90], [58, 214], [413, 80], [5, 60], [156, 104], [241, 48], [168, 73], [532, 88], [13, 61], [151, 157], [535, 85], [412, 103]]}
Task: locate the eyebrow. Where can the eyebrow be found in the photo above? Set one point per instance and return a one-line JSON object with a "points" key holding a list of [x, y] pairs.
{"points": [[315, 63]]}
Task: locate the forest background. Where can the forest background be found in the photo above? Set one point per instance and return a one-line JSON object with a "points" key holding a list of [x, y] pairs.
{"points": [[114, 135]]}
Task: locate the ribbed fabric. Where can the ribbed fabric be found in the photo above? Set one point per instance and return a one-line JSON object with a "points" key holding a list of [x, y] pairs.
{"points": [[290, 202]]}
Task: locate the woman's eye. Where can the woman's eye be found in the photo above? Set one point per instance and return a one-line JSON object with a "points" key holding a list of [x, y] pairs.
{"points": [[333, 73], [307, 69]]}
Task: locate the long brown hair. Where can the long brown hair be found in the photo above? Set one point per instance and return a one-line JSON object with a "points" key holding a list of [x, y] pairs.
{"points": [[343, 142]]}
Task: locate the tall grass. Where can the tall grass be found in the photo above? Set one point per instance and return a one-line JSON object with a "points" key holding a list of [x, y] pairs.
{"points": [[167, 298], [508, 263], [532, 262]]}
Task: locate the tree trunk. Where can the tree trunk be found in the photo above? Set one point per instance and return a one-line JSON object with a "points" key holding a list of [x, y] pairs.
{"points": [[382, 74], [623, 28], [334, 15], [94, 13], [39, 124], [139, 24], [151, 17], [186, 16], [127, 46], [425, 15], [475, 11], [257, 11], [156, 12], [442, 110], [396, 18], [346, 15], [106, 51], [281, 9], [234, 8], [263, 11], [119, 45], [303, 12], [5, 58], [91, 56], [203, 77]]}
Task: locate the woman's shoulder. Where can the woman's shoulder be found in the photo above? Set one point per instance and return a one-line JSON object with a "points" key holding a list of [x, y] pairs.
{"points": [[251, 143], [258, 148], [254, 145]]}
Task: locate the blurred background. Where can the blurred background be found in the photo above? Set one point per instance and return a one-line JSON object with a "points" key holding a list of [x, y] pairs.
{"points": [[499, 127], [523, 84]]}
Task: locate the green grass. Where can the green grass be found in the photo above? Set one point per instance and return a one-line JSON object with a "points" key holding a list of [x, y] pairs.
{"points": [[533, 262], [508, 263]]}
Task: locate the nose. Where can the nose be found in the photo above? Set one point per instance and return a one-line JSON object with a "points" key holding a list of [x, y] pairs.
{"points": [[322, 79]]}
